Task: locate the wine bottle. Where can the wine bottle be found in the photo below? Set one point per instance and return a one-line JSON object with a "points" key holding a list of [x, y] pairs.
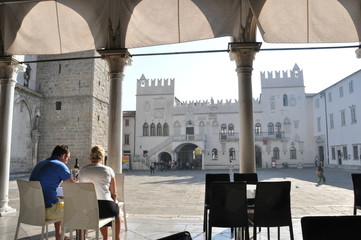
{"points": [[75, 170]]}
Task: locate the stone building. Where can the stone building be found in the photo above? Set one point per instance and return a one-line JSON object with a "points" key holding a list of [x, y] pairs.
{"points": [[59, 102], [205, 134]]}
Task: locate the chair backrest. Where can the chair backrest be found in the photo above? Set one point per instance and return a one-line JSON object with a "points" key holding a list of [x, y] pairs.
{"points": [[249, 178], [356, 181], [330, 227], [119, 178], [211, 177], [178, 236], [228, 205], [273, 204], [80, 206], [32, 205]]}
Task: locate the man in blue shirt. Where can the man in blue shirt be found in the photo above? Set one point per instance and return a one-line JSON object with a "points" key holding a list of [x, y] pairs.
{"points": [[51, 172]]}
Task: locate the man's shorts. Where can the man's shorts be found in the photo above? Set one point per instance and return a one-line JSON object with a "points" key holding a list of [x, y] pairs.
{"points": [[55, 211]]}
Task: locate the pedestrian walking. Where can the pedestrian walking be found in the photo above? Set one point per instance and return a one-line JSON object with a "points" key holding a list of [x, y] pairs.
{"points": [[152, 168], [320, 174]]}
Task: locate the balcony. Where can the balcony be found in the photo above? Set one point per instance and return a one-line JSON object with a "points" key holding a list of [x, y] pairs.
{"points": [[260, 136], [229, 137], [188, 137]]}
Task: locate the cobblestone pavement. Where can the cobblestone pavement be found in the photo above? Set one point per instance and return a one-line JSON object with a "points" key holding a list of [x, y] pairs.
{"points": [[168, 202]]}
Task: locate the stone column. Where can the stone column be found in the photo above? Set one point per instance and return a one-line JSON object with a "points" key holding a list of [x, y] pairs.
{"points": [[7, 89], [117, 60], [243, 54]]}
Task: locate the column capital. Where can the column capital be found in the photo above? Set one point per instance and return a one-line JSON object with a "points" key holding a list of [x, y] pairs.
{"points": [[116, 58], [7, 65], [244, 53]]}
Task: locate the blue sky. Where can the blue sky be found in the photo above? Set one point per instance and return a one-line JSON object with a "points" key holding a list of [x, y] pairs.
{"points": [[202, 76]]}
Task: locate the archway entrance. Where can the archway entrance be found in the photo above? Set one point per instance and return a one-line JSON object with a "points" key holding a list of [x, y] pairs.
{"points": [[165, 161], [189, 156], [258, 154]]}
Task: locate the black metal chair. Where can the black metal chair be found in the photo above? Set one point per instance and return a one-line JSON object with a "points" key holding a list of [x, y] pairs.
{"points": [[356, 181], [228, 207], [249, 178], [330, 227], [178, 236], [209, 178], [273, 207]]}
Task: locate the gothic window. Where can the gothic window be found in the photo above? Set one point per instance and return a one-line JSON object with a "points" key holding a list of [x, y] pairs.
{"points": [[350, 87], [230, 129], [159, 129], [293, 154], [276, 153], [152, 129], [232, 154], [278, 130], [214, 154], [285, 100], [145, 129], [165, 129], [223, 129], [271, 130], [258, 129]]}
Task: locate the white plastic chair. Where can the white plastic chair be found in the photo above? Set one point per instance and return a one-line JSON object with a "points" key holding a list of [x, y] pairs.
{"points": [[32, 207], [119, 178], [81, 209]]}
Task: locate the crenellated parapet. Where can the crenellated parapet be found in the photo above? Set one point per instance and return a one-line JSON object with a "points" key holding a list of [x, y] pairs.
{"points": [[291, 78], [154, 86]]}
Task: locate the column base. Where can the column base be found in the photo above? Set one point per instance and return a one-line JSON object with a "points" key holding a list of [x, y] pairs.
{"points": [[6, 210]]}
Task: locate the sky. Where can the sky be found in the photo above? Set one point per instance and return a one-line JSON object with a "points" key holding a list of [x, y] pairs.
{"points": [[212, 75]]}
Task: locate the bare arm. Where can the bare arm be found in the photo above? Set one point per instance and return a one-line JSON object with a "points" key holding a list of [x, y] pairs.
{"points": [[113, 189]]}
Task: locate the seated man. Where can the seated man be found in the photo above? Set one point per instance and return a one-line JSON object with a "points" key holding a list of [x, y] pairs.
{"points": [[51, 172]]}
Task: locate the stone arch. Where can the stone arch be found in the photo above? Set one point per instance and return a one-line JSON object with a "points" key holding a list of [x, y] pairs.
{"points": [[22, 144]]}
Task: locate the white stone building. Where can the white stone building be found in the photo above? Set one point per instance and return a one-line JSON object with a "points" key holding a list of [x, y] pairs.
{"points": [[205, 134]]}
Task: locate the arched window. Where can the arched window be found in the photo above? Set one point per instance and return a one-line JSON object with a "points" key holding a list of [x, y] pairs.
{"points": [[223, 128], [165, 129], [276, 153], [152, 129], [159, 129], [278, 130], [232, 154], [285, 100], [293, 154], [271, 129], [145, 129], [258, 129], [230, 129], [214, 154]]}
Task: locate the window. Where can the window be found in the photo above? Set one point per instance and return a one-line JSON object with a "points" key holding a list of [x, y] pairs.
{"points": [[159, 129], [317, 102], [319, 124], [293, 154], [355, 152], [165, 129], [126, 122], [230, 129], [232, 154], [333, 153], [57, 105], [214, 154], [152, 129], [285, 100], [344, 151], [353, 114], [145, 153], [126, 139], [341, 91], [145, 129], [223, 128], [271, 129], [258, 129], [276, 153], [350, 87], [330, 97], [332, 124], [343, 119]]}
